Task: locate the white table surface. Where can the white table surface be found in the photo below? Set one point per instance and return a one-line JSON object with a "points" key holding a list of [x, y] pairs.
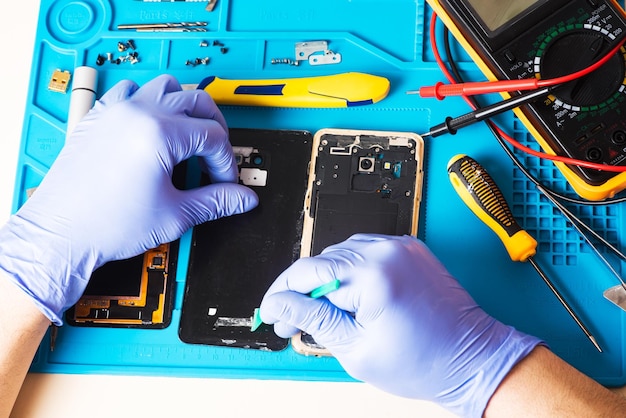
{"points": [[58, 395]]}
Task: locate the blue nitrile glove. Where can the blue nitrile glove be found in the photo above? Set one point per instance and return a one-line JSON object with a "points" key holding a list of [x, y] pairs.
{"points": [[415, 332], [109, 194]]}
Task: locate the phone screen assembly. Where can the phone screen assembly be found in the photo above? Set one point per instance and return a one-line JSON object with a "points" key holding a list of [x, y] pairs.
{"points": [[359, 182], [234, 260]]}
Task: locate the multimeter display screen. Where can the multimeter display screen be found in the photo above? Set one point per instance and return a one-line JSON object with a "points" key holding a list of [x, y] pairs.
{"points": [[496, 13]]}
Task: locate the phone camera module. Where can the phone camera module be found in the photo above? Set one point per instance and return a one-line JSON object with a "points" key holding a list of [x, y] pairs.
{"points": [[366, 164], [257, 160]]}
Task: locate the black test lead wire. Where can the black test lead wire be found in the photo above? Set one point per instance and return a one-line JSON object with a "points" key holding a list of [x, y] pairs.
{"points": [[452, 125]]}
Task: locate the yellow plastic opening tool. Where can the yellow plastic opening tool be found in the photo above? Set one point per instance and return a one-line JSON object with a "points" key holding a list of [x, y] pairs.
{"points": [[338, 90], [483, 196]]}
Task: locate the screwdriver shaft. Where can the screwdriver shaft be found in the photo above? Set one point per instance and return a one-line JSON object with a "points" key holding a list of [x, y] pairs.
{"points": [[564, 303]]}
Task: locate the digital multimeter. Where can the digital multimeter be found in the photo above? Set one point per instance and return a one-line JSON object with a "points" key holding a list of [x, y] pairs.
{"points": [[520, 39]]}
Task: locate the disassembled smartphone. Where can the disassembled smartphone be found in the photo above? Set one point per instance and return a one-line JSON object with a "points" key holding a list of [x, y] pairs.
{"points": [[133, 293], [359, 182], [234, 260]]}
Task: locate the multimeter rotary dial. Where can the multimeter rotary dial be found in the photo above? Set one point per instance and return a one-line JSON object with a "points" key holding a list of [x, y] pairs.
{"points": [[576, 47]]}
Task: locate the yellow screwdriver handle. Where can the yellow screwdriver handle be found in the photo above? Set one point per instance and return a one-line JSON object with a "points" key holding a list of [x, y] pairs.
{"points": [[481, 194]]}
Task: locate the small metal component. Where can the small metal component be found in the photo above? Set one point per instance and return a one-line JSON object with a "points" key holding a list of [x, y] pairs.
{"points": [[224, 50], [204, 44], [130, 56], [306, 49], [288, 61], [217, 43], [59, 81], [121, 46], [328, 57], [198, 61], [317, 53], [131, 44]]}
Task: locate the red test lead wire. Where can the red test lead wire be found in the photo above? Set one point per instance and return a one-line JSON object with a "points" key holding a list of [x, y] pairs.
{"points": [[441, 90]]}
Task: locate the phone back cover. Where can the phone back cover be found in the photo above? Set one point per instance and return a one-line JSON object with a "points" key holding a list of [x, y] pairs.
{"points": [[234, 260]]}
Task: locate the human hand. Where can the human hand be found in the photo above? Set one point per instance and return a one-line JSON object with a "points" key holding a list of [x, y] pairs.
{"points": [[109, 194], [399, 321]]}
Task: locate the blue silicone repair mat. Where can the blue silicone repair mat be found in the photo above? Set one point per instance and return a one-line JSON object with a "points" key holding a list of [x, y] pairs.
{"points": [[386, 38]]}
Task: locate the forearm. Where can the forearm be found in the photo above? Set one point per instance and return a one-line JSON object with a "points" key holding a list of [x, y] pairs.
{"points": [[543, 385], [22, 326]]}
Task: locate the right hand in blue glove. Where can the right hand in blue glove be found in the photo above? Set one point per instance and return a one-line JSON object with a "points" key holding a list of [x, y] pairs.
{"points": [[399, 321]]}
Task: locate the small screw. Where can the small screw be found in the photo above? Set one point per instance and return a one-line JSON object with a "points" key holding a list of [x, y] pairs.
{"points": [[217, 43], [100, 60], [283, 61], [131, 44], [204, 44], [109, 56], [121, 46]]}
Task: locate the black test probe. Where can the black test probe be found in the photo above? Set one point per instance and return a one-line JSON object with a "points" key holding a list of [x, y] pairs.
{"points": [[452, 125]]}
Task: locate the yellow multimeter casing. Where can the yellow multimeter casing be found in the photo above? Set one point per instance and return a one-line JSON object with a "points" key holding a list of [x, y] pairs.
{"points": [[584, 119]]}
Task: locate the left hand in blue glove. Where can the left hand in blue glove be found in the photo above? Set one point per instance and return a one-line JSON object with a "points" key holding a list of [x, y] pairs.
{"points": [[109, 194]]}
